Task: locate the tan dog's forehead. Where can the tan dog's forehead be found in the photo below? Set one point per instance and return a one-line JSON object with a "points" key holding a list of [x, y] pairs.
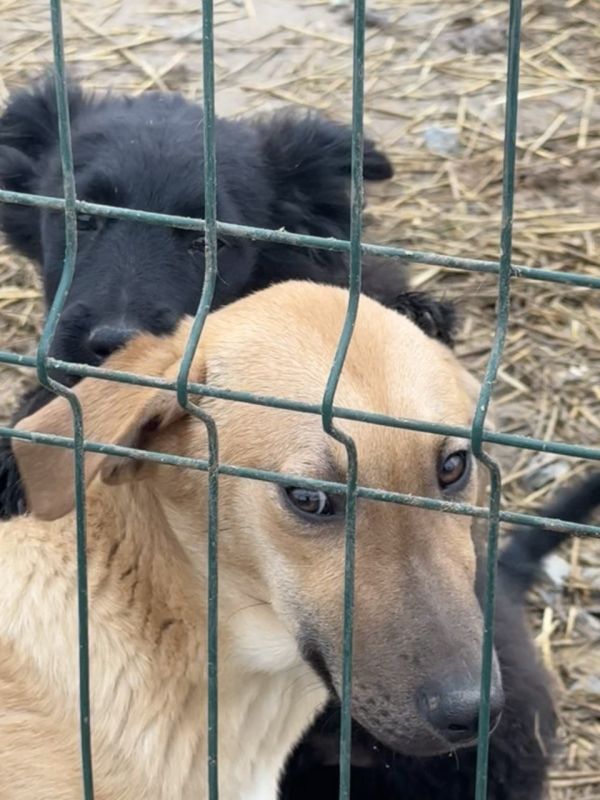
{"points": [[392, 367], [286, 350]]}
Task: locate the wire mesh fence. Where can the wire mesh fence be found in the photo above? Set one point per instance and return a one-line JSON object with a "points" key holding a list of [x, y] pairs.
{"points": [[329, 412]]}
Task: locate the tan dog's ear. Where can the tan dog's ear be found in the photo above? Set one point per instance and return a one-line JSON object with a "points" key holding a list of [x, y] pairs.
{"points": [[113, 413]]}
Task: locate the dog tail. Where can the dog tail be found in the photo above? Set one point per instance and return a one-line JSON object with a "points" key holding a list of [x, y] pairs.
{"points": [[522, 558]]}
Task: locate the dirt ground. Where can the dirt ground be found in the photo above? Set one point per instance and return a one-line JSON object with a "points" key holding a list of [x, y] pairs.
{"points": [[435, 103]]}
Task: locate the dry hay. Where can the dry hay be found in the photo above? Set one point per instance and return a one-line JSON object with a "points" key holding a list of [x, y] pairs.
{"points": [[429, 66]]}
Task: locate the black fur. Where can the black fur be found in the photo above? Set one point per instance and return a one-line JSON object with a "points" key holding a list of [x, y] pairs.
{"points": [[284, 171], [521, 744], [520, 561]]}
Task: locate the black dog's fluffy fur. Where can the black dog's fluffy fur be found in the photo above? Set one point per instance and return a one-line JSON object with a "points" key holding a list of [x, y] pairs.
{"points": [[285, 171]]}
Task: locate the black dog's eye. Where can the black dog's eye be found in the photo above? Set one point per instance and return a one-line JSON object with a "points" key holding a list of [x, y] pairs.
{"points": [[197, 246], [311, 502], [86, 222], [453, 470]]}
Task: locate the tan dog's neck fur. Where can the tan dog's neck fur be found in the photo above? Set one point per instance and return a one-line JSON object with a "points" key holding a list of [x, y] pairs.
{"points": [[148, 656], [281, 575]]}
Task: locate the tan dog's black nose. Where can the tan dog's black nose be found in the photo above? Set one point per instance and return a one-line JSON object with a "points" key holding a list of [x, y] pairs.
{"points": [[453, 710]]}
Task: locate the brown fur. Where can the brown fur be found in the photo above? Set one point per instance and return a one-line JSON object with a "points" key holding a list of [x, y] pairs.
{"points": [[416, 614]]}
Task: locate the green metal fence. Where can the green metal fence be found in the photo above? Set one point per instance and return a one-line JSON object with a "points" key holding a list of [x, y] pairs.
{"points": [[328, 411]]}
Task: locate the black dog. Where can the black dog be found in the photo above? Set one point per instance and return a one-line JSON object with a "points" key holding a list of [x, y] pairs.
{"points": [[145, 153], [521, 744]]}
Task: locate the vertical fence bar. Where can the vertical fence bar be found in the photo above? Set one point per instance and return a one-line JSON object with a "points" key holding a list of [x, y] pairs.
{"points": [[208, 290], [70, 216], [508, 188], [66, 156], [358, 68]]}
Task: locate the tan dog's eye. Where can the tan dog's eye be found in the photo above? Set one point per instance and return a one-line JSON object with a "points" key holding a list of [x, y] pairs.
{"points": [[453, 471], [312, 502]]}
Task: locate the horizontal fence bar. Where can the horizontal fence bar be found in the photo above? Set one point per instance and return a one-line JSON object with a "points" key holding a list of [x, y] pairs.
{"points": [[286, 479], [300, 240], [493, 437]]}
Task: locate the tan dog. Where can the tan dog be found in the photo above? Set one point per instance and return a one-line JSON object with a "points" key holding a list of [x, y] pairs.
{"points": [[418, 625]]}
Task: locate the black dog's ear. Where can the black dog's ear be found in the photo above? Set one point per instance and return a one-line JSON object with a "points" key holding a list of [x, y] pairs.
{"points": [[436, 318], [309, 160], [30, 120], [19, 223], [386, 281], [28, 130]]}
